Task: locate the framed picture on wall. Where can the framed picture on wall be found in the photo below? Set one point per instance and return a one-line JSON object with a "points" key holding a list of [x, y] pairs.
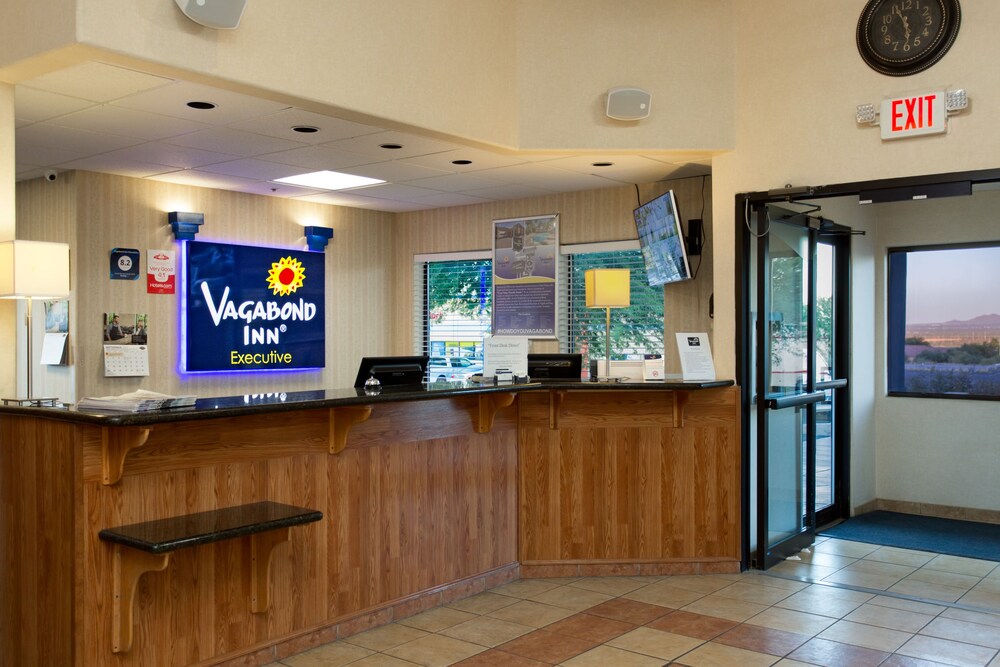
{"points": [[525, 272]]}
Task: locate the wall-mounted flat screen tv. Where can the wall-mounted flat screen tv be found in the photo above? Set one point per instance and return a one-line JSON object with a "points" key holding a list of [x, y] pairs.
{"points": [[661, 239]]}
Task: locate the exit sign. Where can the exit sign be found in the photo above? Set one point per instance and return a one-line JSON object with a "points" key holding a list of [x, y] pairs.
{"points": [[913, 116]]}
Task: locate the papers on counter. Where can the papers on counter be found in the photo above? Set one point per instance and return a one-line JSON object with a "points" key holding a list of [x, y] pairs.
{"points": [[136, 401]]}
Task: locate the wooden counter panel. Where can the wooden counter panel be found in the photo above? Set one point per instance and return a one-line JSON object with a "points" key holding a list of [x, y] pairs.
{"points": [[425, 420], [398, 519], [626, 408], [642, 492], [38, 553]]}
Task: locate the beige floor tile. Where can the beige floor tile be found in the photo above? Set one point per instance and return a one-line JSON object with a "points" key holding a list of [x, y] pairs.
{"points": [[907, 605], [777, 582], [483, 603], [959, 565], [570, 597], [963, 631], [981, 598], [881, 568], [437, 619], [727, 608], [664, 595], [805, 571], [529, 612], [699, 583], [655, 643], [525, 588], [487, 631], [826, 600], [825, 559], [845, 548], [604, 656], [927, 591], [887, 617], [382, 660], [328, 655], [947, 652], [966, 581], [615, 586], [862, 579], [868, 636], [990, 583], [973, 617], [791, 620], [385, 637], [435, 651], [751, 592], [901, 556], [788, 662], [720, 655]]}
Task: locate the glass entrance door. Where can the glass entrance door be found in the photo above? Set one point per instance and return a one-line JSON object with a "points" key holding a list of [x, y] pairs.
{"points": [[794, 426]]}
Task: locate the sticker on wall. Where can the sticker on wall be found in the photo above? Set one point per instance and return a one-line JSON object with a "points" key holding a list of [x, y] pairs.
{"points": [[161, 272], [124, 264]]}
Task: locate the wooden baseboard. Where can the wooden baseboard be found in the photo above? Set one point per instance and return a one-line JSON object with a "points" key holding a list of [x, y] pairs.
{"points": [[603, 568], [930, 509]]}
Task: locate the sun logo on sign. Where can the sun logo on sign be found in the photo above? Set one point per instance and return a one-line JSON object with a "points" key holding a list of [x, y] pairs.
{"points": [[286, 276]]}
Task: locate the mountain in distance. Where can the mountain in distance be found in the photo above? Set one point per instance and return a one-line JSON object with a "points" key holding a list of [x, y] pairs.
{"points": [[991, 320]]}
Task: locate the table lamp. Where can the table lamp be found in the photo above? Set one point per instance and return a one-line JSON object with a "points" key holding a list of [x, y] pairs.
{"points": [[607, 288], [33, 270]]}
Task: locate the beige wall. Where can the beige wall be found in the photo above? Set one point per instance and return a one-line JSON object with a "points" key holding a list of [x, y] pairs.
{"points": [[8, 378], [584, 217], [98, 212]]}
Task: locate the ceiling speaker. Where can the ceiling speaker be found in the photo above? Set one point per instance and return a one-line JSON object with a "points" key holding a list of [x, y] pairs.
{"points": [[628, 103], [219, 14]]}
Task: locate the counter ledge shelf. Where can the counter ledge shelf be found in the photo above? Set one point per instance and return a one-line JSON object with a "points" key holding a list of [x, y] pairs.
{"points": [[542, 479]]}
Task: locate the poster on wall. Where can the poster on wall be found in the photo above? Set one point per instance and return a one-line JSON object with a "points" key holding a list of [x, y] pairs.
{"points": [[161, 269], [124, 264], [247, 308], [525, 258]]}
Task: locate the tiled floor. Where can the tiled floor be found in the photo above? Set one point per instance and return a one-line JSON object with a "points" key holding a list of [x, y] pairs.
{"points": [[843, 604]]}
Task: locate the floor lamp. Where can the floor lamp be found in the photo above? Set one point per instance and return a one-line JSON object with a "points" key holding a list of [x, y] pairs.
{"points": [[33, 270], [607, 288]]}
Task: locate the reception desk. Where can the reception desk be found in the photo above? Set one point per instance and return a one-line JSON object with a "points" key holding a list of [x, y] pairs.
{"points": [[427, 494]]}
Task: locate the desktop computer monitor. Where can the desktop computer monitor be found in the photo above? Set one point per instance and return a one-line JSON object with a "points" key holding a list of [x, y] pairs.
{"points": [[392, 370], [555, 366]]}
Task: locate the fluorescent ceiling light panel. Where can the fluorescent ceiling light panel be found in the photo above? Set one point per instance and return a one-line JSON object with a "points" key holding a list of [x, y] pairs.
{"points": [[329, 180]]}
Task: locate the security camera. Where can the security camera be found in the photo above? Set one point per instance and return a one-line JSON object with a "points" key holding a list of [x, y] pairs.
{"points": [[51, 175]]}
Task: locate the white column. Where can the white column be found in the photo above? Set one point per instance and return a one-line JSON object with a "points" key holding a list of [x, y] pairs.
{"points": [[8, 310]]}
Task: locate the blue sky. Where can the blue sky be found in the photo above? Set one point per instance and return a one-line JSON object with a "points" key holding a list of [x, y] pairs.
{"points": [[947, 285]]}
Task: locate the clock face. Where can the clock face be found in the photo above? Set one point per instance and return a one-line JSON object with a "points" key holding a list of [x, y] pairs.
{"points": [[902, 37]]}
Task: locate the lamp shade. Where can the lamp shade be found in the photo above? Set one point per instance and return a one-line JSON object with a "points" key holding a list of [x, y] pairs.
{"points": [[34, 269], [607, 288]]}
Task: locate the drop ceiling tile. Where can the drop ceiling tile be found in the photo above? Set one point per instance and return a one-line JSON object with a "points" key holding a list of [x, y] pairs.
{"points": [[115, 165], [513, 191], [317, 158], [129, 123], [43, 156], [172, 100], [260, 170], [179, 157], [280, 125], [480, 160], [552, 178], [393, 171], [412, 145], [203, 179], [624, 168], [456, 182], [391, 191], [277, 189], [67, 138], [98, 82], [37, 105], [444, 199], [233, 142], [349, 198]]}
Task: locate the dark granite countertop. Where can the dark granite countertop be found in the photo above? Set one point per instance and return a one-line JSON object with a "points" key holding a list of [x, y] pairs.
{"points": [[249, 404]]}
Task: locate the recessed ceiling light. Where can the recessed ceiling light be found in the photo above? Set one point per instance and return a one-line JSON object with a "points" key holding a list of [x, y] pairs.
{"points": [[391, 147], [305, 129], [201, 105], [603, 164], [461, 161], [329, 180]]}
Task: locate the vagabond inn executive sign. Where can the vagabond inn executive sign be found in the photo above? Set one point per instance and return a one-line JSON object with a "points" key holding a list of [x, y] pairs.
{"points": [[248, 308]]}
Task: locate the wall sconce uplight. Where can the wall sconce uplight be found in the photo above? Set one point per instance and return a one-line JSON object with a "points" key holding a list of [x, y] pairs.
{"points": [[317, 237], [185, 225]]}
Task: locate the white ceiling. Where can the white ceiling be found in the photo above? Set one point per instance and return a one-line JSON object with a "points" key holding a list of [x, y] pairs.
{"points": [[104, 118]]}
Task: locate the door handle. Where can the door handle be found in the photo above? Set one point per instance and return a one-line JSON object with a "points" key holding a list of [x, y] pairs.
{"points": [[838, 383], [795, 400]]}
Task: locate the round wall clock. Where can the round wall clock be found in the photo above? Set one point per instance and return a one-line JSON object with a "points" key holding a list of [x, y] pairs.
{"points": [[903, 37]]}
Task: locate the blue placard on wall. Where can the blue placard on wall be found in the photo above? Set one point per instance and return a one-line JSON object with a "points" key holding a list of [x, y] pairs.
{"points": [[248, 308]]}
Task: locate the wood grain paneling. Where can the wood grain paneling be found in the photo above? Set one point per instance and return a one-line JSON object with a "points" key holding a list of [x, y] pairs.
{"points": [[616, 481]]}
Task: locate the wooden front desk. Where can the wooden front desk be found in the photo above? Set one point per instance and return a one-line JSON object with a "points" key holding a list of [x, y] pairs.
{"points": [[427, 497]]}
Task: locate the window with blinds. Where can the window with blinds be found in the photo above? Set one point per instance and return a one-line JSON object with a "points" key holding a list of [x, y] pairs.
{"points": [[453, 296]]}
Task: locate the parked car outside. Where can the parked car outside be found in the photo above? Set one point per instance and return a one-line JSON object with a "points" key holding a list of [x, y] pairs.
{"points": [[441, 369]]}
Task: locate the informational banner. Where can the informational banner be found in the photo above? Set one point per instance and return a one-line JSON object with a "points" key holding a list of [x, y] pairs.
{"points": [[525, 254], [247, 308], [124, 264], [161, 270]]}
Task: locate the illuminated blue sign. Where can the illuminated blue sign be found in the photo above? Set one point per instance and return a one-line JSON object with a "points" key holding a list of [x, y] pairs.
{"points": [[248, 308]]}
